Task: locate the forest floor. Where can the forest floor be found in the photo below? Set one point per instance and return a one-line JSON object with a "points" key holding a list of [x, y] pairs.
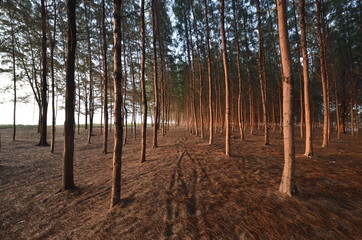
{"points": [[186, 189]]}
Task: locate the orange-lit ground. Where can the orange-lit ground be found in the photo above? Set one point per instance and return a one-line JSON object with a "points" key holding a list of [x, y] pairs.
{"points": [[187, 189]]}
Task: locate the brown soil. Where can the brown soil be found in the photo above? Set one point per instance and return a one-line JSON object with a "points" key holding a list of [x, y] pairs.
{"points": [[186, 190]]}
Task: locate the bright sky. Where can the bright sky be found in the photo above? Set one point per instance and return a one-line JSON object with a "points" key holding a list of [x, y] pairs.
{"points": [[26, 113]]}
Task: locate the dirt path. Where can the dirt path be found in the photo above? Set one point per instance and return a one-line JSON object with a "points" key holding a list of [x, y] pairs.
{"points": [[187, 189]]}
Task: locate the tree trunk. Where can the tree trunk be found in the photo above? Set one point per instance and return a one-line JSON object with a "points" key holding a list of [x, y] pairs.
{"points": [[250, 90], [211, 118], [125, 111], [142, 81], [262, 75], [44, 84], [155, 74], [322, 64], [68, 182], [53, 77], [240, 80], [287, 185], [308, 126], [226, 78], [133, 94], [105, 79], [14, 79], [118, 121], [301, 100], [78, 86], [90, 65]]}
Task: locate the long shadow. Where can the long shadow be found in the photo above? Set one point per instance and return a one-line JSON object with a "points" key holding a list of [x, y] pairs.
{"points": [[188, 194]]}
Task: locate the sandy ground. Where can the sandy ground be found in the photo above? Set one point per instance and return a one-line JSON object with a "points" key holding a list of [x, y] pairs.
{"points": [[187, 189]]}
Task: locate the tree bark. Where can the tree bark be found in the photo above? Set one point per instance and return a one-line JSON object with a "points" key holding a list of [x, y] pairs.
{"points": [[240, 80], [250, 90], [262, 75], [308, 125], [322, 64], [155, 74], [14, 79], [226, 78], [105, 79], [118, 121], [301, 98], [68, 181], [209, 77], [53, 76], [44, 84], [287, 185], [90, 65], [142, 81]]}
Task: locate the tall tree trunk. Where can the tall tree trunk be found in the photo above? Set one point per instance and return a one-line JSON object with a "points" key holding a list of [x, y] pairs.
{"points": [[301, 100], [191, 74], [250, 90], [85, 105], [68, 180], [308, 124], [105, 78], [200, 74], [322, 64], [240, 80], [209, 77], [90, 65], [125, 111], [44, 84], [262, 75], [155, 74], [133, 93], [14, 79], [78, 86], [287, 185], [118, 121], [142, 81], [226, 78], [53, 76]]}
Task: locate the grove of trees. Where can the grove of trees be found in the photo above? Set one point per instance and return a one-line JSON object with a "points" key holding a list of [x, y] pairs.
{"points": [[211, 66]]}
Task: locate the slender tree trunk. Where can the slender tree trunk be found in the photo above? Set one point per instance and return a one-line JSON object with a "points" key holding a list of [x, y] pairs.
{"points": [[14, 79], [308, 125], [53, 76], [105, 78], [86, 105], [44, 84], [200, 75], [301, 100], [133, 94], [262, 75], [226, 78], [142, 81], [68, 181], [125, 111], [90, 65], [240, 80], [250, 90], [118, 121], [155, 74], [209, 78], [323, 74], [287, 185], [191, 74], [78, 86]]}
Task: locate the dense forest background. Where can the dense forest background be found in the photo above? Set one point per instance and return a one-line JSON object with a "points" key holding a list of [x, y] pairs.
{"points": [[182, 56]]}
